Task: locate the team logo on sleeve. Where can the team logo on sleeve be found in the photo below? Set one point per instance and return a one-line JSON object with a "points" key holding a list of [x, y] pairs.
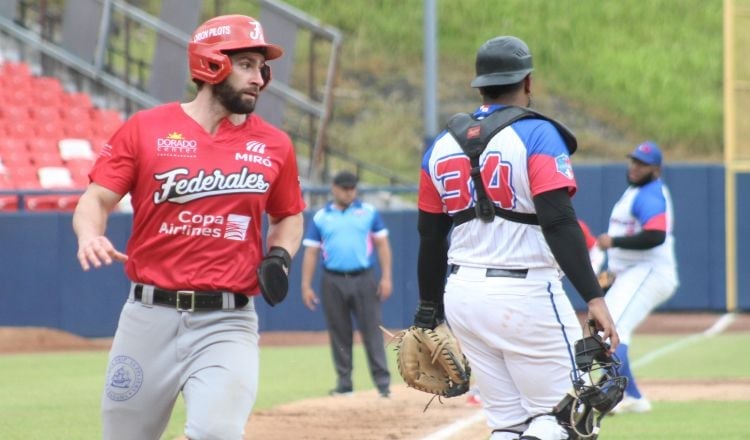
{"points": [[563, 165]]}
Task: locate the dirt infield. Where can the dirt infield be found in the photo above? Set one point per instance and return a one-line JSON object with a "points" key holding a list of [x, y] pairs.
{"points": [[366, 416]]}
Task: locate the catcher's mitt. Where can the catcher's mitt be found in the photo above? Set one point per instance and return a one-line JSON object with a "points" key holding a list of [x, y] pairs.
{"points": [[606, 279], [431, 361]]}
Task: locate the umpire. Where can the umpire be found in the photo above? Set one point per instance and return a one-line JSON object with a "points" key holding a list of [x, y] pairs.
{"points": [[346, 230]]}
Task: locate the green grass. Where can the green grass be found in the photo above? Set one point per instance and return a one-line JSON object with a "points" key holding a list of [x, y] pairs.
{"points": [[695, 420], [646, 69], [56, 395]]}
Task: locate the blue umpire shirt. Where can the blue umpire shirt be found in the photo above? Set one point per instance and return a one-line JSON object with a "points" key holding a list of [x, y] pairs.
{"points": [[345, 237]]}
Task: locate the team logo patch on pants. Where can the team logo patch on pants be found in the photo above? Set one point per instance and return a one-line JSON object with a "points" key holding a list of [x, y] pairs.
{"points": [[124, 378]]}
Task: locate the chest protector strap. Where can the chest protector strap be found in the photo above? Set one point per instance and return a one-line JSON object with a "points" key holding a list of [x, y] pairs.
{"points": [[473, 136]]}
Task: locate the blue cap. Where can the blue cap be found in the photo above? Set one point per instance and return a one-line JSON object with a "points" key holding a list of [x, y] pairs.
{"points": [[648, 153]]}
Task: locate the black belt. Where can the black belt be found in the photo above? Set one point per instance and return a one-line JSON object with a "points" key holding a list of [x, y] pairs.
{"points": [[506, 273], [350, 273], [190, 300]]}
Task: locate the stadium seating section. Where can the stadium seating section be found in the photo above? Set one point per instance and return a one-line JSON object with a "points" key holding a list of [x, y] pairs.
{"points": [[49, 138]]}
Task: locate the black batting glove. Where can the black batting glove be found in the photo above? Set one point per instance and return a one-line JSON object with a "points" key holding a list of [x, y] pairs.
{"points": [[429, 314], [273, 277]]}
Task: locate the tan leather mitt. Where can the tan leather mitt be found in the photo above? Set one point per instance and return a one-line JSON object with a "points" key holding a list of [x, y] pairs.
{"points": [[431, 361]]}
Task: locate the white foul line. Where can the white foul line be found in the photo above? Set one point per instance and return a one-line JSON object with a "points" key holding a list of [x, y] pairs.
{"points": [[718, 327], [455, 427]]}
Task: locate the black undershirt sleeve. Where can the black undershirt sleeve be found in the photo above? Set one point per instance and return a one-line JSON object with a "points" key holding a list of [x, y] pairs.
{"points": [[646, 239], [432, 261], [565, 239]]}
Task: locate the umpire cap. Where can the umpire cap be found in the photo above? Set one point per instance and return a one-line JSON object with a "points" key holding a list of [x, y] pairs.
{"points": [[502, 60], [345, 179]]}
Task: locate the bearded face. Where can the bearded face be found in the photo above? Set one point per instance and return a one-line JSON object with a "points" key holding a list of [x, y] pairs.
{"points": [[640, 173], [233, 99]]}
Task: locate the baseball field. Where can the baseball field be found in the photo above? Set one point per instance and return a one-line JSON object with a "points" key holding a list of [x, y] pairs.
{"points": [[692, 366]]}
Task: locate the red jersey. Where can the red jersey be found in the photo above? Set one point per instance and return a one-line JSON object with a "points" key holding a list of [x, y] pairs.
{"points": [[198, 198]]}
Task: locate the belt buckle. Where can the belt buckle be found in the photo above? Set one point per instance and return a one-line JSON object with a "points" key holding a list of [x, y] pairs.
{"points": [[190, 294]]}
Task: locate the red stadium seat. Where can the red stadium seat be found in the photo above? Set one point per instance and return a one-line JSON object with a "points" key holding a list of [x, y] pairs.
{"points": [[107, 122], [47, 159], [16, 158], [17, 70], [21, 129], [13, 113], [24, 177], [77, 99], [46, 113], [42, 144], [79, 129], [79, 171], [51, 202], [76, 113], [51, 129], [12, 144], [8, 203]]}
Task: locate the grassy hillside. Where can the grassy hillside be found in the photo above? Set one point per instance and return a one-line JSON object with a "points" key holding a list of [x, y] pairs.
{"points": [[617, 72]]}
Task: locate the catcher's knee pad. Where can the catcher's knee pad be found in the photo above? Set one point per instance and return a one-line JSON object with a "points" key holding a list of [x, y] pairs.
{"points": [[545, 427]]}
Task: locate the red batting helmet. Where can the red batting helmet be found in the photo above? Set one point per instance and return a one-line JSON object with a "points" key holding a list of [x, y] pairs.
{"points": [[206, 50]]}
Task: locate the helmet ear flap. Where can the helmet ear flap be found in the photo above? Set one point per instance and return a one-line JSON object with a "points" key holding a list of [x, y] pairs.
{"points": [[207, 64]]}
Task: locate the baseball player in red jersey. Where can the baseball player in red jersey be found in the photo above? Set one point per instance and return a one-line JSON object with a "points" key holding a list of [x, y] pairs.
{"points": [[201, 175], [504, 298]]}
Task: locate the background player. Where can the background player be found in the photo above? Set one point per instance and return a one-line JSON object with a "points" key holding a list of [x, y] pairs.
{"points": [[504, 297], [640, 252], [346, 230], [189, 324]]}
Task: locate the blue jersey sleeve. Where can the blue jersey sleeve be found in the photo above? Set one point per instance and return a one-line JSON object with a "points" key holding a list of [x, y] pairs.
{"points": [[313, 232], [649, 202], [377, 222]]}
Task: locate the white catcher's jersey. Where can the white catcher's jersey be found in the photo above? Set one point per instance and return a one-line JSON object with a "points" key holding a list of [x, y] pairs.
{"points": [[525, 159], [645, 207]]}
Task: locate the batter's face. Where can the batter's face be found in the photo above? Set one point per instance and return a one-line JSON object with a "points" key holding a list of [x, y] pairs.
{"points": [[239, 92], [640, 173], [343, 197]]}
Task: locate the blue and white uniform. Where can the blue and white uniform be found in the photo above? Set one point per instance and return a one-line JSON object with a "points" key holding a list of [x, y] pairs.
{"points": [[645, 278], [516, 330]]}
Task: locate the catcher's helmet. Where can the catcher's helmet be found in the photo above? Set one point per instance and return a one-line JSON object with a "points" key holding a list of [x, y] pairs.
{"points": [[208, 46], [502, 60]]}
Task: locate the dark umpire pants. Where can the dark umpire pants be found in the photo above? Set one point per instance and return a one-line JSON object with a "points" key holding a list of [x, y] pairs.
{"points": [[345, 295]]}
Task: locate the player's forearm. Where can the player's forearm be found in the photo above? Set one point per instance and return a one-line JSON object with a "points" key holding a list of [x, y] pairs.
{"points": [[90, 216], [565, 239], [432, 261], [285, 232], [646, 239]]}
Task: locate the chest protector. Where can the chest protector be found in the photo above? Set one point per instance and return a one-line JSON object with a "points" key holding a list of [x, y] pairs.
{"points": [[473, 136]]}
